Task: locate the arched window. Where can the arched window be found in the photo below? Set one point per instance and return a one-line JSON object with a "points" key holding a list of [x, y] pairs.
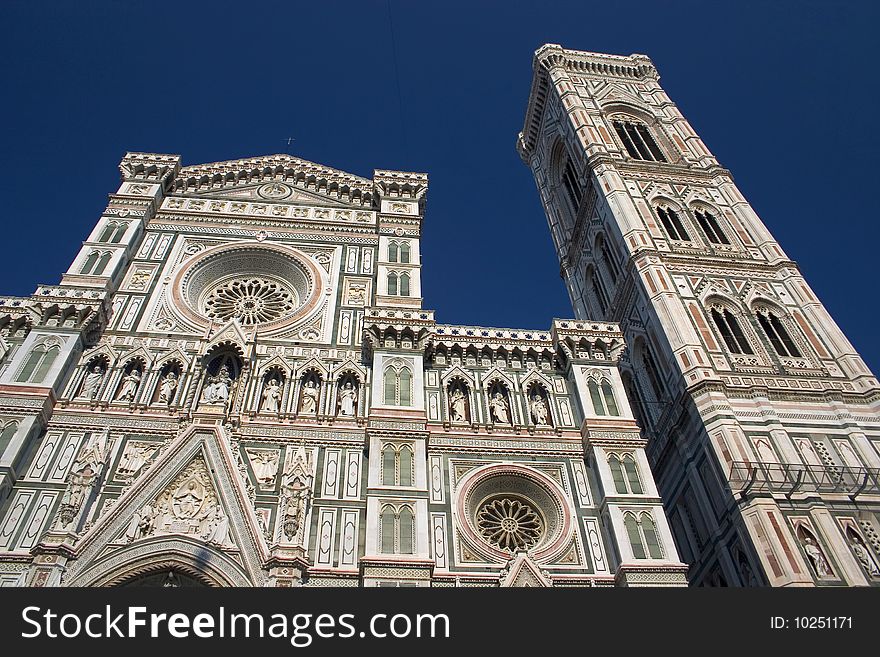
{"points": [[602, 396], [389, 466], [102, 263], [392, 283], [777, 334], [650, 367], [404, 389], [638, 140], [90, 263], [7, 435], [397, 530], [404, 285], [672, 224], [632, 475], [120, 231], [730, 331], [38, 364], [617, 474], [406, 530], [635, 536], [607, 260], [392, 252], [406, 466], [404, 252], [598, 291], [608, 395], [387, 523], [710, 227], [572, 188], [398, 386], [651, 540], [107, 233], [642, 533]]}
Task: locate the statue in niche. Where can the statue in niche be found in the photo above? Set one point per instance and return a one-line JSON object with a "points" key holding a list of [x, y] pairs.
{"points": [[133, 459], [817, 559], [83, 475], [168, 387], [130, 385], [348, 400], [141, 524], [862, 554], [309, 404], [217, 390], [91, 382], [296, 490], [271, 397], [458, 405], [265, 466], [538, 409], [498, 408]]}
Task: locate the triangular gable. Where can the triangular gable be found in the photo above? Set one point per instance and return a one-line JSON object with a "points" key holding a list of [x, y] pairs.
{"points": [[521, 571], [291, 195], [189, 507], [325, 183], [230, 332]]}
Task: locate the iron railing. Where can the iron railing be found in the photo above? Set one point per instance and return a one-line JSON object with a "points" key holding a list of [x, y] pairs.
{"points": [[792, 478]]}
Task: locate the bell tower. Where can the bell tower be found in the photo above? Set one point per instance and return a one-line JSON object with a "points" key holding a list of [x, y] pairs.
{"points": [[761, 418]]}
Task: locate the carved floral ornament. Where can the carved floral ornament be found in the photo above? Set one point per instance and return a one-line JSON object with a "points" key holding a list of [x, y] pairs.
{"points": [[504, 509], [256, 283]]}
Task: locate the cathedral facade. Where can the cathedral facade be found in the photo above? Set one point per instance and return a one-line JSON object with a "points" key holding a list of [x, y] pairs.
{"points": [[761, 419], [235, 384]]}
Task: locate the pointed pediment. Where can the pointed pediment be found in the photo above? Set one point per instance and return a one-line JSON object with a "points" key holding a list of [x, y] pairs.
{"points": [[523, 572], [284, 193], [613, 95], [189, 505], [276, 178]]}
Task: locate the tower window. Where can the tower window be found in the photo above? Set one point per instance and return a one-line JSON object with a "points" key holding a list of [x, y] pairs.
{"points": [[642, 534], [638, 141], [398, 386], [602, 397], [572, 188], [611, 265], [397, 530], [397, 466], [599, 293], [38, 364], [673, 225], [777, 334], [625, 474], [731, 332], [710, 227]]}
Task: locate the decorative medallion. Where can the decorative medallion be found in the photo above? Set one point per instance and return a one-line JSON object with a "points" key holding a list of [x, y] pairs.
{"points": [[510, 524], [250, 300], [274, 191]]}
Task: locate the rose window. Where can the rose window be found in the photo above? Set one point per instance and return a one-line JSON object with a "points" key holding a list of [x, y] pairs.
{"points": [[510, 524], [250, 300]]}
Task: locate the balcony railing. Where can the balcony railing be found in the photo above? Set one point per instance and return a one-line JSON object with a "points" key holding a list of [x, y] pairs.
{"points": [[792, 478]]}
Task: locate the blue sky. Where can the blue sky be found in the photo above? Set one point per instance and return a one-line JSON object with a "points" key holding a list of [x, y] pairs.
{"points": [[783, 93]]}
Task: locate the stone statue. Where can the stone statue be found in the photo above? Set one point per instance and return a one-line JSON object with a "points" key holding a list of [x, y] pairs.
{"points": [[458, 406], [133, 459], [130, 385], [348, 400], [91, 382], [168, 387], [864, 557], [218, 528], [188, 498], [217, 390], [309, 405], [141, 524], [538, 409], [265, 466], [271, 397], [820, 565], [498, 409]]}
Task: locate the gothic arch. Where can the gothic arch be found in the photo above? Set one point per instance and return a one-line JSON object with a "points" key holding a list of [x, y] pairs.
{"points": [[194, 558]]}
